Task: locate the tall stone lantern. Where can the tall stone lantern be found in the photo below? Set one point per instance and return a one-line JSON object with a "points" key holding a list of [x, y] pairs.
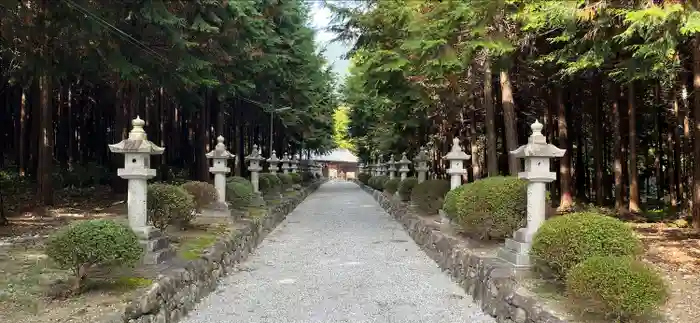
{"points": [[137, 151], [254, 160], [403, 166], [254, 167], [273, 161], [456, 157], [421, 161], [295, 164], [360, 168], [391, 167], [220, 157], [286, 163], [537, 154]]}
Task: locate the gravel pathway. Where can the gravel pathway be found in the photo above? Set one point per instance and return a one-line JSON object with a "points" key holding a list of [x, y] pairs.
{"points": [[338, 258]]}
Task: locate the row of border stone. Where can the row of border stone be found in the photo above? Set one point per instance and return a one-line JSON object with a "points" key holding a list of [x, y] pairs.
{"points": [[489, 280], [173, 294]]}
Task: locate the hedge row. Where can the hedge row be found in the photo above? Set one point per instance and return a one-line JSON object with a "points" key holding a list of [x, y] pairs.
{"points": [[594, 255]]}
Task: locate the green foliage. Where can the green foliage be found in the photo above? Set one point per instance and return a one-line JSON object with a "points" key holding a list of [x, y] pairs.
{"points": [[307, 177], [269, 183], [565, 241], [239, 192], [429, 195], [364, 178], [377, 182], [392, 185], [285, 180], [490, 208], [296, 178], [203, 193], [88, 244], [341, 121], [169, 204], [81, 175], [406, 187], [621, 288]]}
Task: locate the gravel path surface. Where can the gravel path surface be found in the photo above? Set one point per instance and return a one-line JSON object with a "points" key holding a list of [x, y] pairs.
{"points": [[338, 258]]}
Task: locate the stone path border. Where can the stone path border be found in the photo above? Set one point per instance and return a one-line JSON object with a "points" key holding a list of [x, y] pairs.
{"points": [[176, 292], [489, 280]]}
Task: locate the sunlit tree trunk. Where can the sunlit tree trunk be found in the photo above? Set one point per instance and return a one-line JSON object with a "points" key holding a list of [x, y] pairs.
{"points": [[509, 119], [491, 143]]}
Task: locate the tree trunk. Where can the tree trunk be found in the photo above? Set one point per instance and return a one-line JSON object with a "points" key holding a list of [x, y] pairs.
{"points": [[617, 150], [633, 176], [598, 136], [45, 160], [491, 143], [696, 132], [659, 145], [509, 120], [566, 201]]}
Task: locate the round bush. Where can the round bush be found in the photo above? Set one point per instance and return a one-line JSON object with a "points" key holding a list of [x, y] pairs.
{"points": [[169, 204], [202, 193], [491, 208], [449, 204], [269, 183], [307, 177], [285, 180], [91, 243], [406, 187], [392, 185], [296, 178], [621, 288], [239, 192], [363, 178], [429, 195], [565, 241], [377, 182]]}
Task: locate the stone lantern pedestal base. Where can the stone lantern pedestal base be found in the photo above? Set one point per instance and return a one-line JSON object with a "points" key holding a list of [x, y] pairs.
{"points": [[156, 247], [216, 209], [516, 250]]}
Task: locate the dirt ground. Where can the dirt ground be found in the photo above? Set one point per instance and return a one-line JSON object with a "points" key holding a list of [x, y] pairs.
{"points": [[676, 253]]}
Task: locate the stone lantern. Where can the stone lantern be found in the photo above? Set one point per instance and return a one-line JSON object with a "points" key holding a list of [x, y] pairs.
{"points": [[295, 164], [273, 161], [391, 167], [286, 166], [404, 162], [220, 157], [254, 167], [360, 168], [381, 165], [421, 161], [456, 157], [254, 159], [537, 154], [137, 151]]}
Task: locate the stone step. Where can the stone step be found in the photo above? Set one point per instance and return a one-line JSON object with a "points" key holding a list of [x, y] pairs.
{"points": [[155, 244], [159, 256], [517, 246], [515, 259]]}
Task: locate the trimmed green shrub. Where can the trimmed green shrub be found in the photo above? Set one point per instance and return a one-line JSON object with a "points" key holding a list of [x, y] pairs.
{"points": [[269, 183], [449, 204], [285, 180], [307, 177], [565, 241], [491, 208], [169, 204], [239, 192], [296, 178], [392, 185], [621, 288], [406, 187], [377, 182], [88, 244], [429, 195], [202, 193], [364, 178]]}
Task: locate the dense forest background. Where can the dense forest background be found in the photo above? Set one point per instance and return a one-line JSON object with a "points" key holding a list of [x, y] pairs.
{"points": [[616, 83], [74, 73]]}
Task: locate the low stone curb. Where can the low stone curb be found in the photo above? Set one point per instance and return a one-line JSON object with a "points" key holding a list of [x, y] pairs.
{"points": [[489, 280], [175, 293]]}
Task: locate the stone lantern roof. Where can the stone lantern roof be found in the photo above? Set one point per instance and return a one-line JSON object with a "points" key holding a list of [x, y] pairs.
{"points": [[273, 158], [457, 153], [537, 145], [255, 155], [137, 142], [404, 160], [220, 150]]}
